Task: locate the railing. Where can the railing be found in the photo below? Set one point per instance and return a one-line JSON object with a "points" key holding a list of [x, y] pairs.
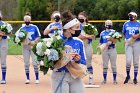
{"points": [[91, 21]]}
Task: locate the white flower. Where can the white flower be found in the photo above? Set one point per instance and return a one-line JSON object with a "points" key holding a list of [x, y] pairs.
{"points": [[47, 52], [92, 26], [21, 34], [48, 44], [114, 36], [3, 26], [58, 37], [17, 40], [51, 35], [9, 28], [39, 44], [48, 41], [39, 49], [41, 63]]}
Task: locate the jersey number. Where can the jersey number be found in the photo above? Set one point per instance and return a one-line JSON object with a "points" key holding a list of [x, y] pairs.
{"points": [[131, 32]]}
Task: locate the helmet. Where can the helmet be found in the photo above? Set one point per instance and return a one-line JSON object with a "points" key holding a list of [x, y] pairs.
{"points": [[108, 22]]}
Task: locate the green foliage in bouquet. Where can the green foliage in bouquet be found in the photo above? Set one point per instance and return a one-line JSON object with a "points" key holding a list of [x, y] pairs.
{"points": [[90, 29]]}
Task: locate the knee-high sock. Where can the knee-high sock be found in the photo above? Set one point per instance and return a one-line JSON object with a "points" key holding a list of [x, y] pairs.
{"points": [[3, 73]]}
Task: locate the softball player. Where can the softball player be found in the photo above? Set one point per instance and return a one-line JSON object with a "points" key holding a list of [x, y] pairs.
{"points": [[69, 84], [3, 52], [56, 24], [109, 53], [83, 18], [131, 30], [34, 36]]}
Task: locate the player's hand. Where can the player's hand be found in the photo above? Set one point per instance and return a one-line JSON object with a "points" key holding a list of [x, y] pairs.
{"points": [[135, 36], [109, 43], [91, 36], [31, 43], [75, 56], [54, 27], [2, 33]]}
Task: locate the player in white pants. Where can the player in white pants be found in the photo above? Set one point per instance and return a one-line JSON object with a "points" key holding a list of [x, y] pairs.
{"points": [[109, 53], [132, 50], [3, 52], [34, 36], [70, 84], [83, 18]]}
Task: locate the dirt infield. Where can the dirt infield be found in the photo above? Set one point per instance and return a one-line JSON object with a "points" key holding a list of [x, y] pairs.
{"points": [[16, 78]]}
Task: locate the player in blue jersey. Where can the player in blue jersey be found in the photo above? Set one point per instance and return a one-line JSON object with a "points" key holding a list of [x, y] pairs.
{"points": [[69, 84], [3, 52], [83, 18], [55, 25], [33, 36], [109, 53], [132, 50]]}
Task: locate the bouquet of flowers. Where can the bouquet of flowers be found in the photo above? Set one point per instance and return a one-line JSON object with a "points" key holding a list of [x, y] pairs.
{"points": [[115, 35], [112, 35], [20, 37], [90, 29], [6, 28], [50, 51]]}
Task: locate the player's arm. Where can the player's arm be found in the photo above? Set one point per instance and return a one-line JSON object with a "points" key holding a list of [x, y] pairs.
{"points": [[86, 36], [136, 36], [48, 29]]}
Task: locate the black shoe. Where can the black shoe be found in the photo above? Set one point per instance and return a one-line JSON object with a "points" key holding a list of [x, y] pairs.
{"points": [[126, 80], [135, 81]]}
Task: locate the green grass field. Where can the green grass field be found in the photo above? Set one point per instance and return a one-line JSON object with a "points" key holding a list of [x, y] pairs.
{"points": [[14, 49]]}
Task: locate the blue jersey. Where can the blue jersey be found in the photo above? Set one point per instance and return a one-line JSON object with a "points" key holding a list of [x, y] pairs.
{"points": [[59, 24], [1, 23], [103, 37], [78, 47], [82, 32], [33, 31], [130, 28]]}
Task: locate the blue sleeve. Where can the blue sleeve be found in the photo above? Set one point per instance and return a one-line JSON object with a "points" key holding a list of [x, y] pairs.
{"points": [[82, 54], [37, 31], [124, 30], [101, 39]]}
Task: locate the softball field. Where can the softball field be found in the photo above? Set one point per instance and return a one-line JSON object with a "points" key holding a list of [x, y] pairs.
{"points": [[16, 78]]}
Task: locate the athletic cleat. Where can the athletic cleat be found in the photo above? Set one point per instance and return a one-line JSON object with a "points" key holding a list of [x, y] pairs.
{"points": [[115, 82], [27, 82], [90, 81], [135, 81], [2, 82], [103, 82], [126, 80], [37, 82]]}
